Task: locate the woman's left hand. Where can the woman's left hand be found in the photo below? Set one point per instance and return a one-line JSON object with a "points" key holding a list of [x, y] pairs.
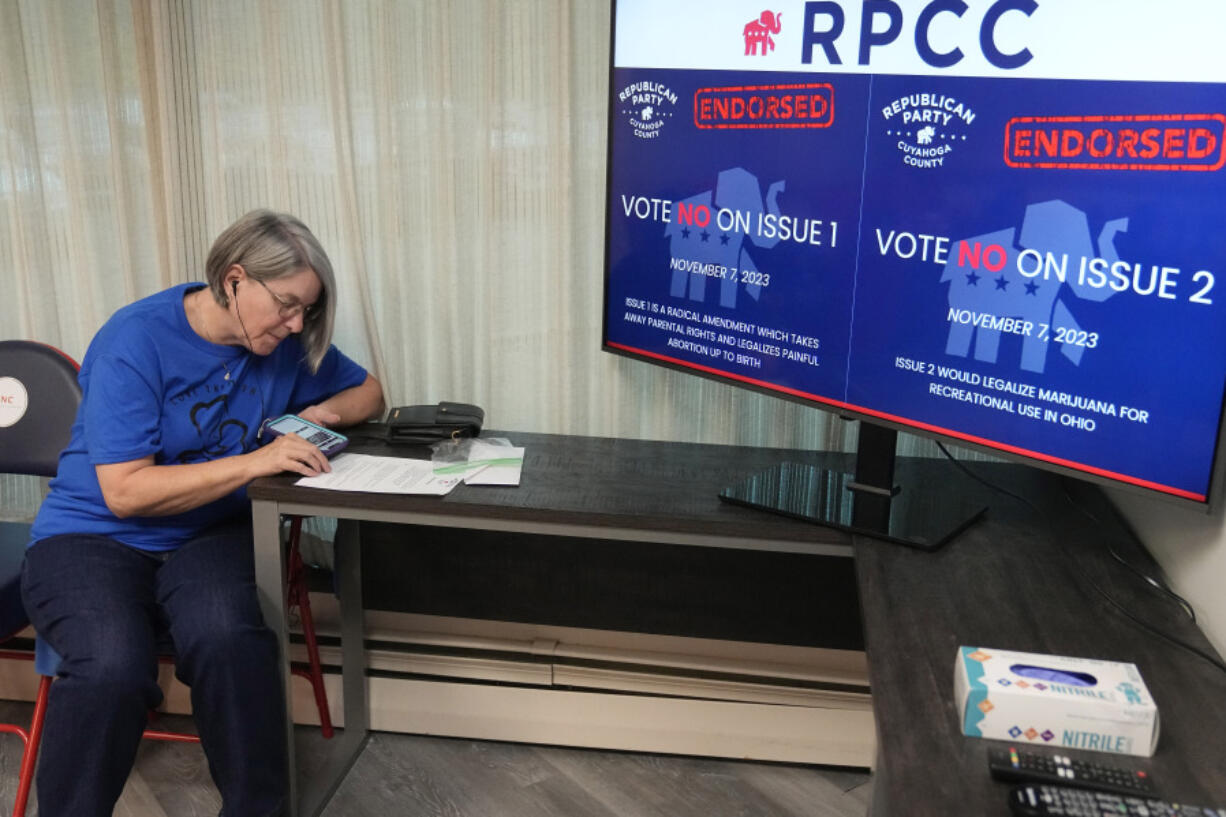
{"points": [[319, 416], [349, 407]]}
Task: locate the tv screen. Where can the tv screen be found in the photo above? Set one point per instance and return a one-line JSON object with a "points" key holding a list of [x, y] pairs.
{"points": [[998, 222]]}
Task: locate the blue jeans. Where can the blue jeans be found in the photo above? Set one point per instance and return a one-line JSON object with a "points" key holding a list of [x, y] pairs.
{"points": [[103, 606]]}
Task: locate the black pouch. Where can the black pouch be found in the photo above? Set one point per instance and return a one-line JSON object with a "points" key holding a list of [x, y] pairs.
{"points": [[422, 425]]}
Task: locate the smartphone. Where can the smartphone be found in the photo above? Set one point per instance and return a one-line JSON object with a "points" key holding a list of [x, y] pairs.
{"points": [[325, 439]]}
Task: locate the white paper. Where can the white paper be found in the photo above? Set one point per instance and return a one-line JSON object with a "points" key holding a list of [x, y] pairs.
{"points": [[492, 461], [495, 465], [382, 475]]}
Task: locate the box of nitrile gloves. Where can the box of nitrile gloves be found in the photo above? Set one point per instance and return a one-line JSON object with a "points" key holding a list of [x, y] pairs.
{"points": [[1081, 703]]}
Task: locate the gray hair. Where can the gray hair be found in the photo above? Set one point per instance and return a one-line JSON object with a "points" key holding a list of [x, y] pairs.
{"points": [[270, 245]]}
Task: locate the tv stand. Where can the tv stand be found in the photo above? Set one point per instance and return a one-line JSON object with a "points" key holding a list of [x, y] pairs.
{"points": [[872, 501]]}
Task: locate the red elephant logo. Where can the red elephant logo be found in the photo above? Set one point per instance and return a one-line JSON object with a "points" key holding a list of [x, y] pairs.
{"points": [[758, 32]]}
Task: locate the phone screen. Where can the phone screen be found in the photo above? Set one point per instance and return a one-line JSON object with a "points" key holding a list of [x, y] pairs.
{"points": [[324, 439]]}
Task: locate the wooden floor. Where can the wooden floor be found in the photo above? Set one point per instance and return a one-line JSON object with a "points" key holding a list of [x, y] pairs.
{"points": [[411, 776]]}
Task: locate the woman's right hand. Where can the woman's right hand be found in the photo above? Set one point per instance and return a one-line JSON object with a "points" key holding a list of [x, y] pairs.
{"points": [[288, 452]]}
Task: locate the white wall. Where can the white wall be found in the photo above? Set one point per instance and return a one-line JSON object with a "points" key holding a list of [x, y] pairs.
{"points": [[1191, 547]]}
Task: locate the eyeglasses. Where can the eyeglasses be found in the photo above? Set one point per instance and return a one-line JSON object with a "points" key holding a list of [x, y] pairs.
{"points": [[289, 310]]}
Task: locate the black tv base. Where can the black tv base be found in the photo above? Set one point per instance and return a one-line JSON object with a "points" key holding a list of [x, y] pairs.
{"points": [[908, 512]]}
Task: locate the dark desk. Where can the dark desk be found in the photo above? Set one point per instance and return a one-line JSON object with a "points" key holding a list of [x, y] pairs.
{"points": [[1020, 580], [585, 487], [1024, 579]]}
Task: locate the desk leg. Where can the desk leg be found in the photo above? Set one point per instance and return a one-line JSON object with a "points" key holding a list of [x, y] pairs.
{"points": [[348, 742], [877, 794], [353, 628], [307, 798], [271, 587]]}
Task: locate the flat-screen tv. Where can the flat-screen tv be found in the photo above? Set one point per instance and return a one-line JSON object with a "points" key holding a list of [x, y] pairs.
{"points": [[994, 222]]}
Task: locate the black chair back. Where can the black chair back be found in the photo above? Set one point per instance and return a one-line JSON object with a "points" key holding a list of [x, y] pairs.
{"points": [[39, 396]]}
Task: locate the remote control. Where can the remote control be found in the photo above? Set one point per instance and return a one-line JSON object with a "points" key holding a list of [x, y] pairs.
{"points": [[1040, 801], [1022, 766]]}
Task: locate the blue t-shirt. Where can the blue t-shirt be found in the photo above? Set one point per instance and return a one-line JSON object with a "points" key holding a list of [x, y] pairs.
{"points": [[153, 387]]}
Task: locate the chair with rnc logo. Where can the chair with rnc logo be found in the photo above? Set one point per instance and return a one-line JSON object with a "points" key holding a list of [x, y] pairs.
{"points": [[39, 396]]}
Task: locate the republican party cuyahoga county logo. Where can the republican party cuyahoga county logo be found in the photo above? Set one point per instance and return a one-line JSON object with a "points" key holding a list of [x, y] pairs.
{"points": [[647, 106], [926, 128]]}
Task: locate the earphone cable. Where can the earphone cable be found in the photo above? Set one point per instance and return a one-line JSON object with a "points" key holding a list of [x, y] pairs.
{"points": [[251, 353]]}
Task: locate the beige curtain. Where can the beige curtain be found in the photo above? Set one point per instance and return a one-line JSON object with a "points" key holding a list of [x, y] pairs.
{"points": [[449, 154]]}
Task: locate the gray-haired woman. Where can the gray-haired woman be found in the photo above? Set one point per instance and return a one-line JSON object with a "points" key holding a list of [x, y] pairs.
{"points": [[146, 528]]}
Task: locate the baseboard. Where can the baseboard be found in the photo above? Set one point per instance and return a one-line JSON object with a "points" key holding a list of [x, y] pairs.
{"points": [[644, 723]]}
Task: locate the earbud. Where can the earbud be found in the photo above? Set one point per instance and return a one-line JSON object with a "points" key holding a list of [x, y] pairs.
{"points": [[234, 286]]}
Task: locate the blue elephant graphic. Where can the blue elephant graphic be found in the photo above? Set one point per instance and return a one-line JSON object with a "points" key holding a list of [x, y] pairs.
{"points": [[736, 190], [1052, 229]]}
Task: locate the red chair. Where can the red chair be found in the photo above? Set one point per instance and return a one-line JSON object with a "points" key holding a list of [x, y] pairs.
{"points": [[39, 396], [299, 597]]}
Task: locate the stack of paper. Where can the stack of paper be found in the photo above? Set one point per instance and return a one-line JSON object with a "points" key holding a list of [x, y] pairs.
{"points": [[484, 463], [381, 475]]}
